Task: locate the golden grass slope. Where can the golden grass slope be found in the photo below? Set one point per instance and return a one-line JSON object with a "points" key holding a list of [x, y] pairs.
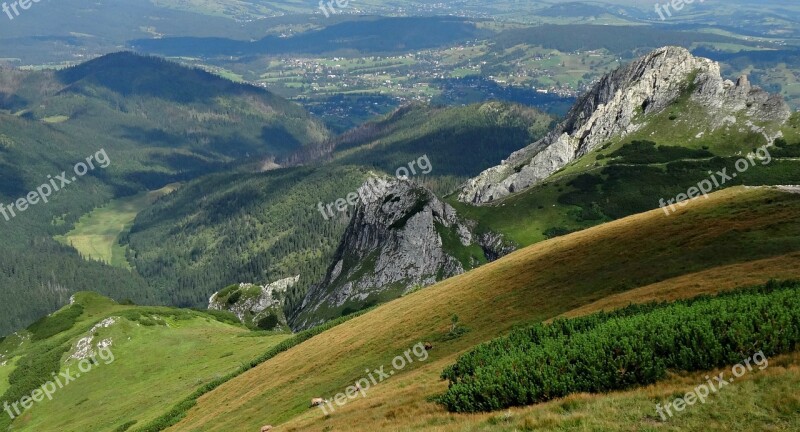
{"points": [[738, 237]]}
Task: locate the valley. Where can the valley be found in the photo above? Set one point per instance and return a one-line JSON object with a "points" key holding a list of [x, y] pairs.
{"points": [[400, 216], [96, 235]]}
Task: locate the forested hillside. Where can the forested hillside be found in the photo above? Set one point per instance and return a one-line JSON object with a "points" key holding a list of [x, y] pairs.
{"points": [[156, 123], [232, 228], [458, 140], [239, 227]]}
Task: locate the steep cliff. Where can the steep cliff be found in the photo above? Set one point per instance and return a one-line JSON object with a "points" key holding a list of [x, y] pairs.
{"points": [[619, 104], [401, 239]]}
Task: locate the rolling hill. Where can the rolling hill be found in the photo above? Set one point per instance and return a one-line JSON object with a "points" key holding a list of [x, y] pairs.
{"points": [[738, 237], [156, 123], [153, 354]]}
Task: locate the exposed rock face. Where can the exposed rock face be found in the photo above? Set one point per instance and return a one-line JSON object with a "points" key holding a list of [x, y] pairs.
{"points": [[495, 246], [250, 303], [84, 348], [404, 238], [648, 85]]}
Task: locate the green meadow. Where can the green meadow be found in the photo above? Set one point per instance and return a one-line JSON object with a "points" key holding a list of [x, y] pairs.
{"points": [[96, 234], [159, 354]]}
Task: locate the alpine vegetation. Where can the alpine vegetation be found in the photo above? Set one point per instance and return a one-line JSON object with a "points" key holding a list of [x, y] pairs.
{"points": [[58, 382], [707, 185], [623, 349]]}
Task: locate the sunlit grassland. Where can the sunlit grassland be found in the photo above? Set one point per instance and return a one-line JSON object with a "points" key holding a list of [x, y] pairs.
{"points": [[729, 232], [5, 370], [152, 365], [524, 218], [96, 235]]}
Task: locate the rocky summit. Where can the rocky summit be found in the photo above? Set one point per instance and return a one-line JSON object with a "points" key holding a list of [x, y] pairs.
{"points": [[403, 238], [617, 105]]}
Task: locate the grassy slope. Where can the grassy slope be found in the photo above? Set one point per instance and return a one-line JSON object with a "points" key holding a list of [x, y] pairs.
{"points": [[96, 235], [153, 365], [537, 283], [5, 370]]}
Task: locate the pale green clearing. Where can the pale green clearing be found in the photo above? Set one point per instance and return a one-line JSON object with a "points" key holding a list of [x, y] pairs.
{"points": [[96, 235]]}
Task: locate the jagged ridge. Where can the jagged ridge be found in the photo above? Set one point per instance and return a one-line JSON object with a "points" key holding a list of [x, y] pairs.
{"points": [[646, 86]]}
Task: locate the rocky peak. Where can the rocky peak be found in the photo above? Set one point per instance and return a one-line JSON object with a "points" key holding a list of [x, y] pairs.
{"points": [[401, 239], [618, 105], [251, 303], [743, 82]]}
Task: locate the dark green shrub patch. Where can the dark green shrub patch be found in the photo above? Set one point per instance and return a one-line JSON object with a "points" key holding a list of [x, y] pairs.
{"points": [[634, 346], [56, 323], [224, 317], [646, 152], [269, 322], [125, 426], [557, 232]]}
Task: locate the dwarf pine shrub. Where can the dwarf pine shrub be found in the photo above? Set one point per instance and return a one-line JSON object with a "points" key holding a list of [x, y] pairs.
{"points": [[634, 346]]}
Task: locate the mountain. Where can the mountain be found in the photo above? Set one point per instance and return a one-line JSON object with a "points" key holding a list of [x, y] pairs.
{"points": [[259, 227], [559, 191], [401, 238], [145, 123], [160, 121], [633, 260], [620, 104]]}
